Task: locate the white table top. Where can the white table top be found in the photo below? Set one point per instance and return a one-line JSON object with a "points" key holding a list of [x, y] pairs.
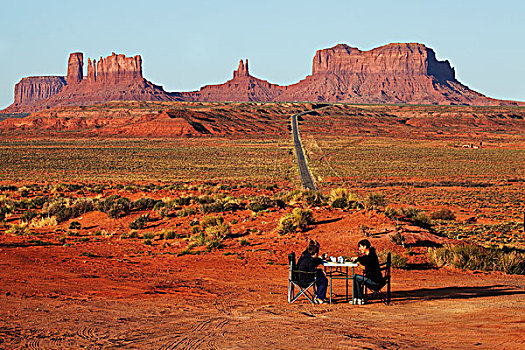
{"points": [[336, 264]]}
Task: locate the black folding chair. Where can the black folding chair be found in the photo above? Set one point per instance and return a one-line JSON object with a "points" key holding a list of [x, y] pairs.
{"points": [[380, 293], [308, 290]]}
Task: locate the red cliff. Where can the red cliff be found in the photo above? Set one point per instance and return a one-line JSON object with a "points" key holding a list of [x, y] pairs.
{"points": [[30, 90], [75, 66], [394, 73]]}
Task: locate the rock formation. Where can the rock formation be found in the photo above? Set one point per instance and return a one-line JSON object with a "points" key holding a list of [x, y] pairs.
{"points": [[242, 71], [243, 87], [75, 66], [394, 73], [115, 77], [30, 90]]}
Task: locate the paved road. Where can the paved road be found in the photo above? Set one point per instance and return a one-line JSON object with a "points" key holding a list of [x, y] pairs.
{"points": [[304, 172]]}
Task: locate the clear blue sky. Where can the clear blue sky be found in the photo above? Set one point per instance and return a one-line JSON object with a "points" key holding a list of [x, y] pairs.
{"points": [[188, 44]]}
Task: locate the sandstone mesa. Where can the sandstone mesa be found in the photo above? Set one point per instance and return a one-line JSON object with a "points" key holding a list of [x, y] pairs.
{"points": [[395, 73]]}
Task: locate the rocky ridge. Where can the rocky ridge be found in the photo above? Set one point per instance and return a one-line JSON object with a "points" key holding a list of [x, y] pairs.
{"points": [[395, 73]]}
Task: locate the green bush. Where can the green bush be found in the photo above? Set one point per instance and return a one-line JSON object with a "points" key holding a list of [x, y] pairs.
{"points": [[28, 216], [186, 212], [18, 230], [115, 206], [215, 207], [148, 235], [297, 219], [343, 198], [75, 225], [139, 223], [375, 201], [209, 221], [443, 214], [145, 203], [263, 202], [473, 257], [398, 239]]}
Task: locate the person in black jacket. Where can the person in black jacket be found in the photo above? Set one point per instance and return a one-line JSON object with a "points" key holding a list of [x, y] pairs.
{"points": [[372, 277], [309, 261]]}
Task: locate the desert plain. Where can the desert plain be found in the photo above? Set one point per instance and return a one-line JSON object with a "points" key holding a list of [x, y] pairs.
{"points": [[159, 225]]}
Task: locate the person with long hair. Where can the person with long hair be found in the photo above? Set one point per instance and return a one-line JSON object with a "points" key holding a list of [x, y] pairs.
{"points": [[309, 261], [372, 276]]}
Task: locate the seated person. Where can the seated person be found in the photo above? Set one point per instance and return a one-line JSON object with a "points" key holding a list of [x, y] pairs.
{"points": [[309, 261], [372, 278]]}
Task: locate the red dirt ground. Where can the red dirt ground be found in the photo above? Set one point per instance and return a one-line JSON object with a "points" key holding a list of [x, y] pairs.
{"points": [[124, 294]]}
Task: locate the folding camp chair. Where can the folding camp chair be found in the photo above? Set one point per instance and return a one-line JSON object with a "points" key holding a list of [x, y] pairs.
{"points": [[379, 293], [294, 282]]}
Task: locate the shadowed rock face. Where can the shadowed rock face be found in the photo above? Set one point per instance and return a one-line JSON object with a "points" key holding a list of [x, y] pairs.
{"points": [[394, 73], [74, 68], [30, 90]]}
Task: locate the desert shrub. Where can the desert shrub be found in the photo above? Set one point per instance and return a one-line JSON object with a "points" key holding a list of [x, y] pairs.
{"points": [[169, 234], [209, 221], [422, 220], [391, 213], [115, 206], [443, 214], [244, 242], [231, 206], [186, 212], [340, 202], [163, 212], [82, 206], [398, 239], [313, 198], [37, 202], [75, 225], [343, 198], [397, 261], [43, 222], [215, 207], [195, 229], [203, 200], [197, 239], [139, 223], [375, 201], [289, 196], [64, 214], [148, 235], [220, 231], [145, 203], [133, 234], [261, 203], [416, 216], [147, 242], [28, 216], [215, 235], [473, 257], [298, 218], [18, 230], [182, 201]]}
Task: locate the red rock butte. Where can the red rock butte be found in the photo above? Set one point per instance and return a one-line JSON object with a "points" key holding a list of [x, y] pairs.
{"points": [[395, 73]]}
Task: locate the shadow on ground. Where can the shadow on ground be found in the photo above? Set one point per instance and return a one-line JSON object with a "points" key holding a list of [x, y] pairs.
{"points": [[454, 293]]}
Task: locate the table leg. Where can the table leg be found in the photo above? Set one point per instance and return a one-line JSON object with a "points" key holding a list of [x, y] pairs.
{"points": [[353, 273], [346, 278]]}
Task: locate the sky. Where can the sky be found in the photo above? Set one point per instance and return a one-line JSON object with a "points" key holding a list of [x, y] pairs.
{"points": [[188, 44]]}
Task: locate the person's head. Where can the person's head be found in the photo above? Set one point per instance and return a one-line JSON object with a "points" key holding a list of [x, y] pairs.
{"points": [[364, 246], [313, 247]]}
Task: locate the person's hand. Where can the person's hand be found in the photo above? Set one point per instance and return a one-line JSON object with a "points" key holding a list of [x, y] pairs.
{"points": [[353, 259], [324, 256]]}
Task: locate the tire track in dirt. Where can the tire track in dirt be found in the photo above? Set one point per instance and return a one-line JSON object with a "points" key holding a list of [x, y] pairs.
{"points": [[201, 336], [33, 344]]}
